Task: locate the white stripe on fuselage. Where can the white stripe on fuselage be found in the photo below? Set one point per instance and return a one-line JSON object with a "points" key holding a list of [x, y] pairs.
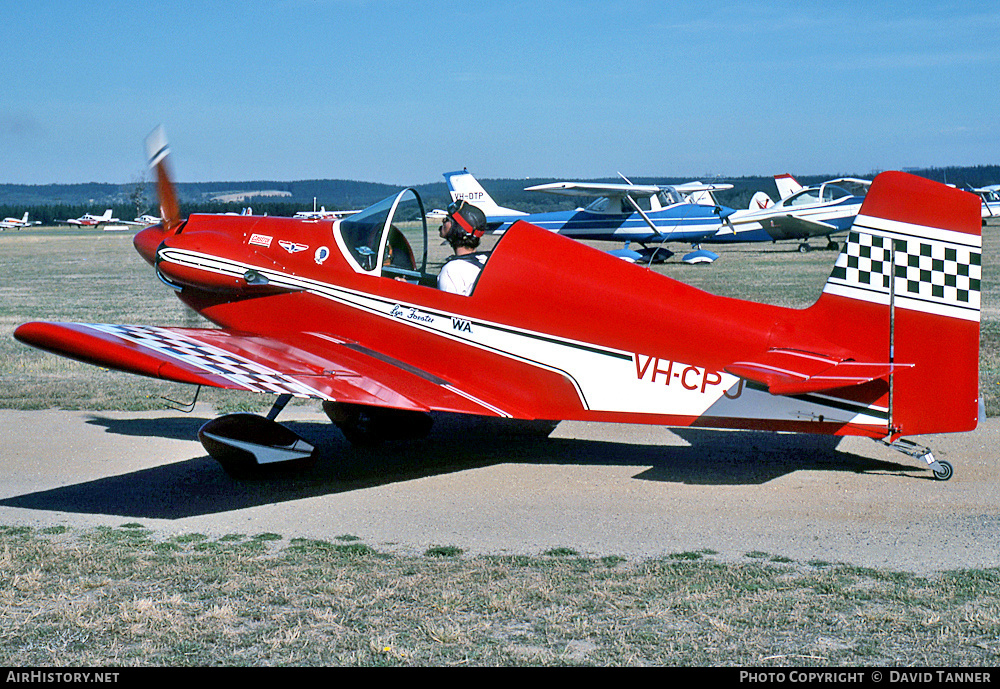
{"points": [[606, 379]]}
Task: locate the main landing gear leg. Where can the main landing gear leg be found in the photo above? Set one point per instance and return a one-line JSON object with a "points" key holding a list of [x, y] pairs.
{"points": [[278, 405], [942, 469]]}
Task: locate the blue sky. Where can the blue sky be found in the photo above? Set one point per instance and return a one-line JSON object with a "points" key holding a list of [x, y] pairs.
{"points": [[400, 92]]}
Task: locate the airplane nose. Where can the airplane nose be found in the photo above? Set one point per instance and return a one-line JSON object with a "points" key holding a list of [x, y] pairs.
{"points": [[147, 241]]}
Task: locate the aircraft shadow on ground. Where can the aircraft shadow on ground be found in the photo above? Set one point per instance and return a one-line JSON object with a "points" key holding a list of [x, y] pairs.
{"points": [[199, 486]]}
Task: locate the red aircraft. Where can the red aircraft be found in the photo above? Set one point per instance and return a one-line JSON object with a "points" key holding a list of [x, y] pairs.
{"points": [[344, 311]]}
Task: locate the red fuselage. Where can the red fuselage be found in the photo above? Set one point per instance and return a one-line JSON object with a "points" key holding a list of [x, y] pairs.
{"points": [[668, 338]]}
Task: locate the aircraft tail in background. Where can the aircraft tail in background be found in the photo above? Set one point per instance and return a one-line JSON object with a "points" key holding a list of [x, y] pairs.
{"points": [[787, 185], [463, 186]]}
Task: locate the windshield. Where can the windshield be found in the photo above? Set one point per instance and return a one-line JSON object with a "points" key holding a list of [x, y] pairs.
{"points": [[832, 192], [670, 196], [803, 198], [362, 232], [389, 237], [603, 205]]}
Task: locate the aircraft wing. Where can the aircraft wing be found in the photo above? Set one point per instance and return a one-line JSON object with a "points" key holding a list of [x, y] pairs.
{"points": [[332, 370], [621, 190], [795, 226], [853, 180], [597, 189], [793, 372]]}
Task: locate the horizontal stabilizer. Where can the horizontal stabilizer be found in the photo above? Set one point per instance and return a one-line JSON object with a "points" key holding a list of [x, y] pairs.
{"points": [[792, 372]]}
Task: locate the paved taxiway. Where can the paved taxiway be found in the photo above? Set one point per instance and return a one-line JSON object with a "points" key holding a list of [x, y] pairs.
{"points": [[600, 489]]}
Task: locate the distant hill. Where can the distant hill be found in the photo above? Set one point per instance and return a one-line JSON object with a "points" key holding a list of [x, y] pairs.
{"points": [[196, 192], [53, 202]]}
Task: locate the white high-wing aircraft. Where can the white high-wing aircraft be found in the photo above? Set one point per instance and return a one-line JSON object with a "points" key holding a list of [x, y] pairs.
{"points": [[90, 220], [17, 222], [322, 214], [991, 200]]}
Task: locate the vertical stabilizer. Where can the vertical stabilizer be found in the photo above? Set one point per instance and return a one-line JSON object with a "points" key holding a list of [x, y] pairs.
{"points": [[463, 186], [787, 185], [914, 254], [760, 201]]}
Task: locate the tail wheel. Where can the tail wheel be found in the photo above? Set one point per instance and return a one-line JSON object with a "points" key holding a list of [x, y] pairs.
{"points": [[944, 470]]}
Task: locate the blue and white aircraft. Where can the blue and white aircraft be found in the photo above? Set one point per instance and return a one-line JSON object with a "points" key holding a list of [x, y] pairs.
{"points": [[643, 213]]}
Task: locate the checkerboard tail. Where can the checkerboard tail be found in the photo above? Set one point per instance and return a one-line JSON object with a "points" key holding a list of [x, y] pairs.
{"points": [[910, 271]]}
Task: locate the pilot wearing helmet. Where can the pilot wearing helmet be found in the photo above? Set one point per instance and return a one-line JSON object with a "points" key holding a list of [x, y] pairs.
{"points": [[462, 228]]}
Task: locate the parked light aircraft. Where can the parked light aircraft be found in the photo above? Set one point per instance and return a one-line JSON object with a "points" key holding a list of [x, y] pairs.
{"points": [[800, 213], [641, 213], [89, 220], [18, 223], [990, 196], [346, 312], [147, 220], [321, 214]]}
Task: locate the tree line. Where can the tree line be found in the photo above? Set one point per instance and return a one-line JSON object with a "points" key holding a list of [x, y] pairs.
{"points": [[56, 203]]}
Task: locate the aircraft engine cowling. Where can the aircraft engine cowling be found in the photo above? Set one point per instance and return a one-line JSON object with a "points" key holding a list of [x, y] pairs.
{"points": [[148, 240], [204, 265]]}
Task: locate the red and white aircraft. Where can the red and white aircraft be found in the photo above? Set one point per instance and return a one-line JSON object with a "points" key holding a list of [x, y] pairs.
{"points": [[18, 223], [345, 312], [90, 220]]}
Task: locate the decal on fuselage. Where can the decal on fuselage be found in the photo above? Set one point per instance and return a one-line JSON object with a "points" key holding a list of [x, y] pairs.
{"points": [[689, 377], [461, 324], [292, 247]]}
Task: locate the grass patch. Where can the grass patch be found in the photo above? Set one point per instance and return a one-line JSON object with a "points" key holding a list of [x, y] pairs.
{"points": [[687, 555], [85, 598], [562, 552], [443, 551]]}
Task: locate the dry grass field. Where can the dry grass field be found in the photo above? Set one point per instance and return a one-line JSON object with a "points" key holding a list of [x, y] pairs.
{"points": [[123, 597]]}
